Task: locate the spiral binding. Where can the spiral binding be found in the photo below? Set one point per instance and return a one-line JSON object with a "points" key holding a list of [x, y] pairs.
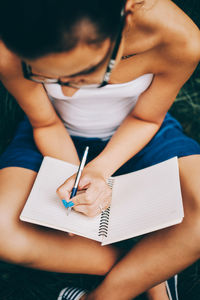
{"points": [[103, 226]]}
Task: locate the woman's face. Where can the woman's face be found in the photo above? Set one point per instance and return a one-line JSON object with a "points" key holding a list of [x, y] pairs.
{"points": [[85, 64]]}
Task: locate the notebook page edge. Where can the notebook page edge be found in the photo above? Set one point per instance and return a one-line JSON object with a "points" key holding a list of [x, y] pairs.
{"points": [[156, 228], [29, 220], [25, 214], [173, 164]]}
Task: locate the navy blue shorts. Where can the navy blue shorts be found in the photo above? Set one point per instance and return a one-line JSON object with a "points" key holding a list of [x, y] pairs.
{"points": [[169, 141]]}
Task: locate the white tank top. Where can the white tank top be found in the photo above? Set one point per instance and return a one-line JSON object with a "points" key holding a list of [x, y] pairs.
{"points": [[97, 112]]}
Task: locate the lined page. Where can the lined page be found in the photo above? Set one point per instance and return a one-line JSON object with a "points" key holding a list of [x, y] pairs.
{"points": [[44, 207], [144, 201]]}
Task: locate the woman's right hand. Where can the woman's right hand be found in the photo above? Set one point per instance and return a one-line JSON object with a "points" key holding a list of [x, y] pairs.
{"points": [[94, 193]]}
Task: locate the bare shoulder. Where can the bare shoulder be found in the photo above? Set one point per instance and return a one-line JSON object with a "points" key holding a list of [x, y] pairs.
{"points": [[183, 36], [30, 96], [9, 63], [178, 35], [191, 47]]}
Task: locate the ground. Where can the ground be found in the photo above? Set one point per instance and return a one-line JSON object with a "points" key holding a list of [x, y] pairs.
{"points": [[26, 284]]}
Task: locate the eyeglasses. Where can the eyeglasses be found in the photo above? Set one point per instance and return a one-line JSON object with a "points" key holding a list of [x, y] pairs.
{"points": [[28, 74]]}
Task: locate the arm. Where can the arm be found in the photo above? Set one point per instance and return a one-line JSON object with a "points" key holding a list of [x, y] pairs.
{"points": [[134, 133], [139, 127], [147, 116], [50, 135]]}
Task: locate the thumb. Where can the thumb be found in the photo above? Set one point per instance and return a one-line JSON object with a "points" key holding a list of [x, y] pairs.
{"points": [[65, 189]]}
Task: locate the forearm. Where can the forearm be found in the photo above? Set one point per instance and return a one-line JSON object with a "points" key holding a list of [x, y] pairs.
{"points": [[54, 141], [143, 122], [129, 139]]}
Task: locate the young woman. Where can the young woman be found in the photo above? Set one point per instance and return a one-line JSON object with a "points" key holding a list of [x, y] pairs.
{"points": [[103, 74]]}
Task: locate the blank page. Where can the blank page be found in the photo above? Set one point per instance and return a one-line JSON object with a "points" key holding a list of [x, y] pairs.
{"points": [[144, 201], [44, 207]]}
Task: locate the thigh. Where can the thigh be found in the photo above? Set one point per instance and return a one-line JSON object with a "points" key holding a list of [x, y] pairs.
{"points": [[18, 166], [15, 186], [22, 151], [189, 167], [30, 243]]}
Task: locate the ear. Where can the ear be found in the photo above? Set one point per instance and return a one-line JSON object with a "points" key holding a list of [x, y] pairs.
{"points": [[130, 8]]}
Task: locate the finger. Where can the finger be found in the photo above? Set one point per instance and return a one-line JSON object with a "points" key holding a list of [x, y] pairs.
{"points": [[80, 199], [87, 210], [93, 209], [64, 190], [68, 203], [94, 194], [103, 205], [107, 200], [103, 196], [71, 234], [85, 198]]}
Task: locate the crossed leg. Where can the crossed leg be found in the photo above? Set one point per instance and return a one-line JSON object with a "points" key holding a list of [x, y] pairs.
{"points": [[39, 247], [153, 260], [163, 253]]}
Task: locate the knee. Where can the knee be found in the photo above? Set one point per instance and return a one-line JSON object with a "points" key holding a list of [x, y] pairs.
{"points": [[191, 223], [109, 259], [13, 241]]}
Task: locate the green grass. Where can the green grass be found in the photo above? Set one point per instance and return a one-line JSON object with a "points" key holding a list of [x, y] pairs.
{"points": [[26, 284], [187, 106]]}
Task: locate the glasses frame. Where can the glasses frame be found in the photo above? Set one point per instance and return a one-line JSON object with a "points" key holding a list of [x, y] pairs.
{"points": [[28, 74]]}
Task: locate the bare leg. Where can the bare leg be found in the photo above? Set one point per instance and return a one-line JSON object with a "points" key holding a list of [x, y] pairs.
{"points": [[42, 248], [158, 292], [163, 253]]}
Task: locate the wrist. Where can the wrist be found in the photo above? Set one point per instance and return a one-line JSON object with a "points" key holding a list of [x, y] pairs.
{"points": [[53, 141], [100, 167]]}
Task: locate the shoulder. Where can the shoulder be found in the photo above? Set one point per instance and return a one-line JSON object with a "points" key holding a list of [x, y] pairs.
{"points": [[177, 34], [184, 46], [191, 47], [10, 65], [182, 36]]}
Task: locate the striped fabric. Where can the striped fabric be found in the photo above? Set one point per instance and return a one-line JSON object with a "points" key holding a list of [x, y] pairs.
{"points": [[172, 288], [71, 293]]}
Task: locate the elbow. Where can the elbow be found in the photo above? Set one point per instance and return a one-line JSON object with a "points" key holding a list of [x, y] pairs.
{"points": [[155, 122], [41, 124]]}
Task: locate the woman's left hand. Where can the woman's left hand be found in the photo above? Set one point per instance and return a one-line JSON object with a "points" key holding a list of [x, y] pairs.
{"points": [[93, 196]]}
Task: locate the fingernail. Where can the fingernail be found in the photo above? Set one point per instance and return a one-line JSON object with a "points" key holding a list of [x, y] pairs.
{"points": [[70, 204], [67, 204]]}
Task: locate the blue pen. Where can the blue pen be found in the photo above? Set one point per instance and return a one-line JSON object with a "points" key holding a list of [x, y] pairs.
{"points": [[78, 176]]}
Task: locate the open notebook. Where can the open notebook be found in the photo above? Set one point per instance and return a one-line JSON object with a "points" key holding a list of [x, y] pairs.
{"points": [[142, 201]]}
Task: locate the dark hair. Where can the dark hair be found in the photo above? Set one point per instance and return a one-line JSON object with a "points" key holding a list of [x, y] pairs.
{"points": [[34, 28]]}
